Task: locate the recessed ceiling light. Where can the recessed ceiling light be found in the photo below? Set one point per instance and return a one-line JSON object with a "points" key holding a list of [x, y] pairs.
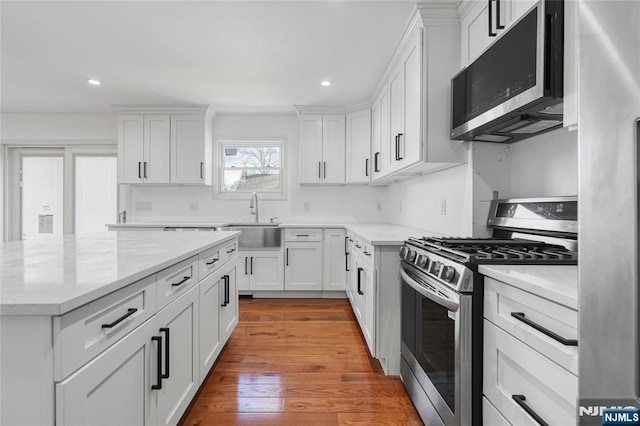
{"points": [[93, 82], [325, 83]]}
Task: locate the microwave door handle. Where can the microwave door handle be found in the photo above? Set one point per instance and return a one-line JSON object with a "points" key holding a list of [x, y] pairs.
{"points": [[451, 305]]}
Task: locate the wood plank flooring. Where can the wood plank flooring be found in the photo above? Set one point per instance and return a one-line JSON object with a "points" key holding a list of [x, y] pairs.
{"points": [[299, 362]]}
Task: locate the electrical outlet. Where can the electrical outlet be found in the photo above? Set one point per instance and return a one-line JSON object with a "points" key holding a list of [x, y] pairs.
{"points": [[193, 205], [306, 206], [443, 206], [379, 206], [143, 205]]}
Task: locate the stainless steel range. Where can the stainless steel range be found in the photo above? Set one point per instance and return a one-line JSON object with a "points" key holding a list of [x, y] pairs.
{"points": [[442, 299]]}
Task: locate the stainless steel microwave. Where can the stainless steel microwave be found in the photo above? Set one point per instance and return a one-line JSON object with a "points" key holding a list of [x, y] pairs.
{"points": [[513, 90]]}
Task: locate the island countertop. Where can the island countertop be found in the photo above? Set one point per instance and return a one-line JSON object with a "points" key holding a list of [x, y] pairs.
{"points": [[54, 275]]}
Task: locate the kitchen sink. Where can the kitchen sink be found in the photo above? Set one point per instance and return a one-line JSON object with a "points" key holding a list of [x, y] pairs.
{"points": [[257, 235]]}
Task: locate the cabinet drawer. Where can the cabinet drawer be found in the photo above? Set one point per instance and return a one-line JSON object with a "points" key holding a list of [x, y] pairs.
{"points": [[175, 280], [512, 368], [85, 332], [210, 260], [303, 234], [501, 300], [491, 416], [364, 249]]}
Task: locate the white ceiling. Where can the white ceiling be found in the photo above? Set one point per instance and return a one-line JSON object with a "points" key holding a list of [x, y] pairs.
{"points": [[237, 56]]}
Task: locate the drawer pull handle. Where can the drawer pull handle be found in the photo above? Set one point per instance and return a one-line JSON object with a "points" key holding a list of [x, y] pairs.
{"points": [[184, 280], [520, 400], [365, 252], [567, 342], [360, 281], [302, 235], [130, 312], [212, 262], [165, 330], [231, 250], [357, 246], [159, 340]]}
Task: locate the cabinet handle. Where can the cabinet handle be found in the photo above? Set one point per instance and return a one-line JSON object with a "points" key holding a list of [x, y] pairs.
{"points": [[139, 169], [491, 32], [360, 281], [144, 168], [350, 240], [159, 347], [357, 246], [520, 400], [400, 146], [325, 170], [251, 265], [201, 170], [231, 250], [346, 262], [319, 170], [212, 262], [184, 280], [366, 253], [346, 245], [375, 162], [130, 312], [567, 342], [225, 278], [245, 265], [302, 235], [165, 330], [287, 257], [366, 167], [499, 24]]}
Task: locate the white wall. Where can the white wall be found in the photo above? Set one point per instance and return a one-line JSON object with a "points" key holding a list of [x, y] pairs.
{"points": [[326, 203], [51, 129]]}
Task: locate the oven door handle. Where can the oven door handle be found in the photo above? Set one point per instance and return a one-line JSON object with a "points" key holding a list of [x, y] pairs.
{"points": [[450, 304]]}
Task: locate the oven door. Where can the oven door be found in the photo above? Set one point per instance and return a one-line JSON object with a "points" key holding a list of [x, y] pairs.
{"points": [[436, 348]]}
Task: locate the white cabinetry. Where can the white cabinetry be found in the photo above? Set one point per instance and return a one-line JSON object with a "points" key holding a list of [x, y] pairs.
{"points": [[530, 357], [335, 260], [322, 149], [358, 147], [210, 341], [365, 302], [260, 270], [303, 260], [410, 123], [228, 296], [165, 146]]}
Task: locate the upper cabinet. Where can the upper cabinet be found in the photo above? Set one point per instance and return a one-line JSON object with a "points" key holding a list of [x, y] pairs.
{"points": [[482, 21], [165, 146], [322, 149], [411, 106], [358, 147]]}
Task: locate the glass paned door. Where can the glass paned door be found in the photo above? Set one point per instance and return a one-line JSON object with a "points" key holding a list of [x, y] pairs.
{"points": [[96, 190], [42, 195]]}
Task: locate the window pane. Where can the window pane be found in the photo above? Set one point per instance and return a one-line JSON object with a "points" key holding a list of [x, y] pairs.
{"points": [[96, 192], [267, 157], [42, 196], [252, 180]]}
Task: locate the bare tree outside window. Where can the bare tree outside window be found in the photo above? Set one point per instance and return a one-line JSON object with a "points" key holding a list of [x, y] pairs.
{"points": [[251, 167]]}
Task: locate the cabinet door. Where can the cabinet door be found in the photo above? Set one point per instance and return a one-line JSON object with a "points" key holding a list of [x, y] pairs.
{"points": [[243, 278], [187, 149], [333, 148], [228, 301], [310, 149], [177, 323], [303, 266], [155, 168], [479, 31], [266, 270], [358, 147], [411, 140], [358, 291], [94, 394], [386, 141], [130, 148], [210, 343], [396, 121], [369, 323], [335, 259]]}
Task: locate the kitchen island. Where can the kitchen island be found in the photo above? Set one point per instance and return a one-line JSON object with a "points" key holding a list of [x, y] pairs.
{"points": [[86, 320]]}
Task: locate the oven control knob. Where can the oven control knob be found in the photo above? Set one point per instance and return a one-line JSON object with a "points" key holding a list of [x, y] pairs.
{"points": [[403, 252], [422, 261], [411, 255], [436, 267], [448, 273]]}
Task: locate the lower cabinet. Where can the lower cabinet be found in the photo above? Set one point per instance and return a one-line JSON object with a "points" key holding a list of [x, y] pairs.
{"points": [[303, 266], [228, 298], [260, 270], [335, 266], [210, 341], [364, 302], [148, 377]]}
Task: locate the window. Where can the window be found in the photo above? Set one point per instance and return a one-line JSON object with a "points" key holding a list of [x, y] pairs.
{"points": [[251, 166]]}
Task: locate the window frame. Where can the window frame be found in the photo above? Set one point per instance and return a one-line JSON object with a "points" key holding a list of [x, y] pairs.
{"points": [[222, 143]]}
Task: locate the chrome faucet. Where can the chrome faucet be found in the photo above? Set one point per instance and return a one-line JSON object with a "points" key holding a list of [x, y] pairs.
{"points": [[253, 204]]}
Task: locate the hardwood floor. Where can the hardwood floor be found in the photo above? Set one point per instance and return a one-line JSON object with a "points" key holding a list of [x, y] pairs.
{"points": [[299, 362]]}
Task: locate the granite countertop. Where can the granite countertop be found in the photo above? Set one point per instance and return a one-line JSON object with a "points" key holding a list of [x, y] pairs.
{"points": [[54, 275], [558, 283]]}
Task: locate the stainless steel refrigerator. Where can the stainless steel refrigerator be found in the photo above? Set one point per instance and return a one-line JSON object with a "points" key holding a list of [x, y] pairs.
{"points": [[609, 109]]}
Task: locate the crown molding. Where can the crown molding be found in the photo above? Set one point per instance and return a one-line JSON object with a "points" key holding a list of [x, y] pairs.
{"points": [[179, 109]]}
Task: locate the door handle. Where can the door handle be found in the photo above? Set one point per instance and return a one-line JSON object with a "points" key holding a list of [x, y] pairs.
{"points": [[251, 265], [319, 170], [225, 278], [158, 339], [400, 146], [491, 32], [325, 169], [165, 330], [201, 170], [366, 167]]}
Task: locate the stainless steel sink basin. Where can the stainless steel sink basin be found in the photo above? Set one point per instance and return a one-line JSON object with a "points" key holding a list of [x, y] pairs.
{"points": [[257, 235]]}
